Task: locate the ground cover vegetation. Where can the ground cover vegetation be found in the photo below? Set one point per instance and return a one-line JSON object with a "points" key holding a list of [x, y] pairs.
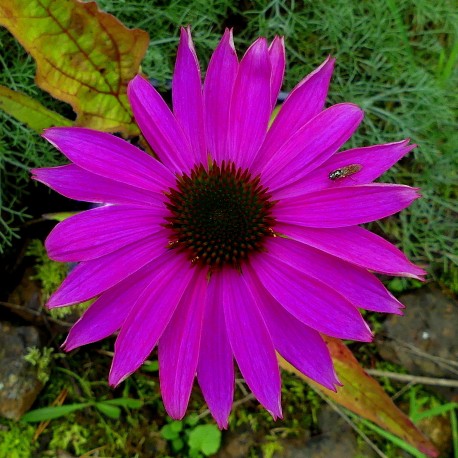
{"points": [[395, 59]]}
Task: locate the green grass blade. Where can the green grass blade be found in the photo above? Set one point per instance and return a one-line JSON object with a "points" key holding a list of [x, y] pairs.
{"points": [[108, 410], [125, 402], [454, 424], [392, 438], [50, 413], [435, 411]]}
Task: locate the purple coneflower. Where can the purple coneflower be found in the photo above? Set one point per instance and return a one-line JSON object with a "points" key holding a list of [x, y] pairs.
{"points": [[240, 241]]}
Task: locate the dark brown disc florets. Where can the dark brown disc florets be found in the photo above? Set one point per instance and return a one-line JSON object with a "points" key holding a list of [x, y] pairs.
{"points": [[220, 215]]}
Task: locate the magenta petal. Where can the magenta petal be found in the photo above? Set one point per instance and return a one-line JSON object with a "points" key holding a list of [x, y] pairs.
{"points": [[159, 126], [357, 285], [101, 231], [218, 86], [107, 314], [311, 301], [179, 348], [373, 160], [150, 315], [251, 342], [215, 370], [278, 62], [297, 343], [187, 96], [110, 157], [345, 206], [312, 145], [305, 101], [250, 106], [108, 270], [76, 183], [357, 246]]}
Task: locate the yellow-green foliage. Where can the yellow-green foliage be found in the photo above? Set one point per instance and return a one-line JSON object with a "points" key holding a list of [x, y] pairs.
{"points": [[15, 440], [69, 437], [41, 358], [49, 273]]}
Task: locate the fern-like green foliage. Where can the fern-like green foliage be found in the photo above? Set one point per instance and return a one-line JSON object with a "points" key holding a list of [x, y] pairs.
{"points": [[396, 59], [20, 148]]}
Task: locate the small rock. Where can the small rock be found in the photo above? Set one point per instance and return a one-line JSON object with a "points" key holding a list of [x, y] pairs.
{"points": [[152, 444], [27, 298], [424, 340], [19, 385], [236, 444], [26, 301], [337, 440]]}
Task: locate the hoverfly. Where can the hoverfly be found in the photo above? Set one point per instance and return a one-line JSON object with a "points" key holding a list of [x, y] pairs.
{"points": [[344, 172]]}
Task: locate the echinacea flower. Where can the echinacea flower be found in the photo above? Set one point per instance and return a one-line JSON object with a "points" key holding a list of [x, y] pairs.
{"points": [[240, 240]]}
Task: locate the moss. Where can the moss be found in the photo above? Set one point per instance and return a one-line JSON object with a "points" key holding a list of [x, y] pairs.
{"points": [[51, 274], [41, 358], [16, 440], [70, 436]]}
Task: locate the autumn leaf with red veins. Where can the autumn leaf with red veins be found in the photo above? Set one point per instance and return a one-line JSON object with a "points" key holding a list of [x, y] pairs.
{"points": [[84, 57]]}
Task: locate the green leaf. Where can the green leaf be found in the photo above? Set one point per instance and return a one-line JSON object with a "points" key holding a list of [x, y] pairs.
{"points": [[274, 114], [454, 424], [176, 426], [192, 419], [396, 285], [108, 410], [49, 413], [438, 410], [152, 366], [29, 111], [125, 402], [205, 438], [84, 57], [172, 430], [177, 444], [60, 216]]}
